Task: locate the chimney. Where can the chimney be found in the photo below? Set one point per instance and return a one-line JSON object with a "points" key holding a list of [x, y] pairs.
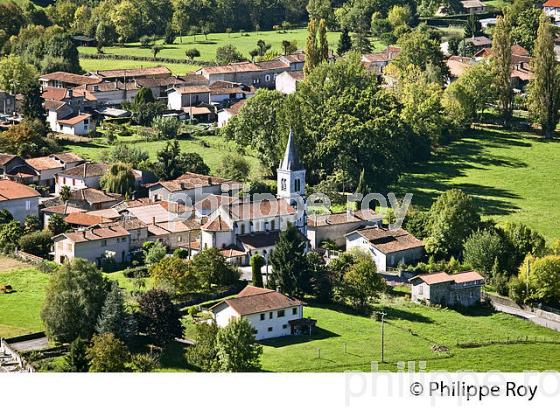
{"points": [[70, 93], [153, 220], [278, 289]]}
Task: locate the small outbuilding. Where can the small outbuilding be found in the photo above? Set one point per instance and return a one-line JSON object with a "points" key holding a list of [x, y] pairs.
{"points": [[460, 289]]}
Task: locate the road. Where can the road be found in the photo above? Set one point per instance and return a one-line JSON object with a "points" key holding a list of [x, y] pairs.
{"points": [[551, 324]]}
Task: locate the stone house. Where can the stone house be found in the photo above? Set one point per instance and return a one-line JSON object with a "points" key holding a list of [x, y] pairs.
{"points": [[461, 289], [20, 200], [388, 248], [86, 175]]}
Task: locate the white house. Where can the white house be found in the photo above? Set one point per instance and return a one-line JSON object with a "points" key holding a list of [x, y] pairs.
{"points": [[20, 200], [86, 175], [47, 167], [286, 83], [461, 289], [388, 248], [94, 244], [271, 313], [190, 186], [188, 96], [227, 113], [552, 9]]}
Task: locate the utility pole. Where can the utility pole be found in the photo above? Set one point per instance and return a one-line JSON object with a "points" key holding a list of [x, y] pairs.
{"points": [[382, 314]]}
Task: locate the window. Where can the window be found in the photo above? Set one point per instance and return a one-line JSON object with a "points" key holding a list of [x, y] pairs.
{"points": [[283, 184], [272, 225], [267, 78], [27, 205], [281, 313], [270, 329], [294, 311], [270, 315], [262, 316], [179, 238], [104, 242], [297, 185], [284, 326], [242, 229]]}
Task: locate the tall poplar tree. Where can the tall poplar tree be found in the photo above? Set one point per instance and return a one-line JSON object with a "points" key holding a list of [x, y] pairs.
{"points": [[544, 88], [311, 49], [501, 65], [323, 42]]}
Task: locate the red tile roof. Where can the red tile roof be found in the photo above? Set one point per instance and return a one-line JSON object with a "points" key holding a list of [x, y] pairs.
{"points": [[135, 72], [44, 163], [443, 277], [244, 66], [552, 3], [12, 190], [54, 93], [256, 300], [341, 218], [234, 109], [216, 225], [388, 241], [74, 120], [260, 209], [83, 219], [97, 233], [69, 78]]}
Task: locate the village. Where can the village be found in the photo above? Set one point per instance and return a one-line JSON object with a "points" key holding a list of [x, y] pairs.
{"points": [[292, 202]]}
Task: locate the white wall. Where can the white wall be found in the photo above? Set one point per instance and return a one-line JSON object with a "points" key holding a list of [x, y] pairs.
{"points": [[20, 208]]}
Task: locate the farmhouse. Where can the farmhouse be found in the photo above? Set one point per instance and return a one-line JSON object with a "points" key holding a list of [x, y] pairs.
{"points": [[552, 9], [130, 75], [20, 200], [271, 313], [227, 113], [188, 96], [376, 62], [334, 227], [461, 289], [61, 79], [387, 247], [86, 175], [47, 167]]}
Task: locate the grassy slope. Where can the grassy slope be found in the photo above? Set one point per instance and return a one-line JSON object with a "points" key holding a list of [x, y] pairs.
{"points": [[212, 154], [244, 42], [91, 64], [514, 177], [20, 310], [428, 327]]}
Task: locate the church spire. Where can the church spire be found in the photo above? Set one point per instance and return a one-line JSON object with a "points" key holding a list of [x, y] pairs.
{"points": [[291, 160]]}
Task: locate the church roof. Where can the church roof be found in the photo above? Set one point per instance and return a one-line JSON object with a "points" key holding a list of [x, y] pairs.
{"points": [[291, 160]]}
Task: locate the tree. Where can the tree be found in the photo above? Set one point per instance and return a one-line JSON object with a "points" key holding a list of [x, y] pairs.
{"points": [[166, 127], [320, 10], [312, 56], [501, 66], [27, 139], [236, 347], [5, 216], [16, 76], [127, 19], [193, 162], [453, 217], [344, 42], [32, 107], [76, 360], [262, 47], [399, 16], [57, 225], [10, 233], [144, 362], [143, 96], [544, 87], [175, 274], [114, 318], [107, 354], [159, 318], [154, 253], [171, 163], [192, 53], [257, 262], [323, 49], [289, 47], [105, 35], [203, 353], [31, 223], [37, 243], [522, 240], [544, 278], [361, 282], [486, 252], [234, 166], [170, 35], [211, 268], [74, 298], [228, 54], [119, 179], [473, 27], [256, 125], [320, 277], [361, 42], [525, 16], [289, 267], [127, 154], [156, 49]]}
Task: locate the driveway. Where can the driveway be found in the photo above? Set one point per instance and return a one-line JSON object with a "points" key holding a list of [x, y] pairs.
{"points": [[551, 324]]}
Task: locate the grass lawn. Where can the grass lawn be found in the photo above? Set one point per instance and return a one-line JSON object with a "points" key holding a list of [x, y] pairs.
{"points": [[92, 64], [20, 310], [211, 148], [513, 176], [245, 42], [350, 342]]}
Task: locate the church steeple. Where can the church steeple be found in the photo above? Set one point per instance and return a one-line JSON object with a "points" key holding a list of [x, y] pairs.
{"points": [[291, 160], [291, 174]]}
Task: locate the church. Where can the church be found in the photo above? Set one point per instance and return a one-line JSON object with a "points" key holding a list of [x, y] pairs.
{"points": [[246, 228]]}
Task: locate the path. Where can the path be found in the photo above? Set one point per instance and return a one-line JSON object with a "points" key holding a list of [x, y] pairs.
{"points": [[551, 324]]}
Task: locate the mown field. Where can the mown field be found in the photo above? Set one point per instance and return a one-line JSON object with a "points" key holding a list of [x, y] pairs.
{"points": [[211, 148], [93, 64], [513, 176], [245, 42], [20, 310], [424, 335]]}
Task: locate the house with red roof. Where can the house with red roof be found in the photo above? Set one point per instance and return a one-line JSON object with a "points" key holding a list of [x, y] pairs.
{"points": [[18, 199], [552, 9], [271, 313], [441, 288]]}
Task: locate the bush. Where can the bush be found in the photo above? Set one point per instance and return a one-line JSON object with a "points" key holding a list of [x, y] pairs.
{"points": [[36, 243], [138, 272], [181, 253]]}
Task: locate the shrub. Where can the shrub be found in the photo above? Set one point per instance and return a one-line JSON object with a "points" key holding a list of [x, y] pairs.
{"points": [[181, 253], [36, 243]]}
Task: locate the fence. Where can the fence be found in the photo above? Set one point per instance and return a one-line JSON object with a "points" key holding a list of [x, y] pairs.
{"points": [[22, 365], [545, 312], [28, 257]]}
